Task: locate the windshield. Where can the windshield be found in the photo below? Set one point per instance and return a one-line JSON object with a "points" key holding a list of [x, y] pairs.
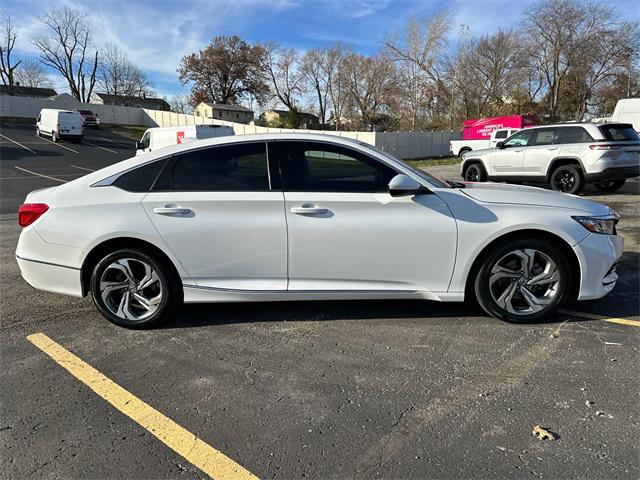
{"points": [[421, 173]]}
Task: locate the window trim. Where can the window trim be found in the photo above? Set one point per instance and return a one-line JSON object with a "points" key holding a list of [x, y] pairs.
{"points": [[110, 180]]}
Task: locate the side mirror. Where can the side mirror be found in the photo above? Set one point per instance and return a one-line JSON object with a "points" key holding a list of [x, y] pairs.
{"points": [[500, 145], [139, 145], [402, 185]]}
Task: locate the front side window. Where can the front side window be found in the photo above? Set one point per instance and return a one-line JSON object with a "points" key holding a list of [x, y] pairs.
{"points": [[322, 167], [519, 139], [543, 136], [146, 139], [229, 168]]}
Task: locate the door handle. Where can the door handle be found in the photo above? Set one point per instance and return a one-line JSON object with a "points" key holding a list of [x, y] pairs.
{"points": [[518, 150], [172, 210], [309, 209], [552, 148]]}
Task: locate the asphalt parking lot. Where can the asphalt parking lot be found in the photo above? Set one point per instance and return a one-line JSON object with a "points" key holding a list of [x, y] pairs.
{"points": [[385, 389]]}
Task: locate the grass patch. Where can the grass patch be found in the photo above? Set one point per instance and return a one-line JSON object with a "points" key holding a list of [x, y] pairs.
{"points": [[133, 132], [432, 162]]}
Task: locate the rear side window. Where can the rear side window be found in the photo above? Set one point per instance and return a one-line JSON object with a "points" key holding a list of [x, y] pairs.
{"points": [[232, 168], [141, 179], [573, 135], [619, 132]]}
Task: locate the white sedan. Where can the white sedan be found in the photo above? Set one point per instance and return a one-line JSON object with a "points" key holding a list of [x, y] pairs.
{"points": [[308, 217]]}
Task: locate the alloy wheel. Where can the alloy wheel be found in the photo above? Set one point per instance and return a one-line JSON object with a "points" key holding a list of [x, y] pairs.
{"points": [[131, 289], [524, 281], [472, 174], [564, 180]]}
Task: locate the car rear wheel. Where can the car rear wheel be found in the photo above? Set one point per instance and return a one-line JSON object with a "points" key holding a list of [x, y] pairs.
{"points": [[54, 137], [523, 281], [134, 289], [475, 173], [567, 179], [610, 186]]}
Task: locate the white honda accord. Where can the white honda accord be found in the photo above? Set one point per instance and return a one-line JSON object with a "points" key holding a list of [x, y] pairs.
{"points": [[308, 217]]}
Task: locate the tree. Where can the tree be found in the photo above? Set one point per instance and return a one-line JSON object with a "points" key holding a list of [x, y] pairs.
{"points": [[117, 75], [417, 50], [312, 67], [7, 42], [281, 68], [31, 73], [68, 48], [336, 81], [226, 71], [180, 103]]}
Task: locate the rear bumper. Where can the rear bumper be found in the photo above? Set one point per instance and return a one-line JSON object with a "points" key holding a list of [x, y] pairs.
{"points": [[613, 173], [51, 277]]}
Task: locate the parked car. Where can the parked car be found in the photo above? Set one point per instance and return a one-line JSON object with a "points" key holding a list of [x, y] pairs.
{"points": [[60, 124], [277, 217], [565, 156], [460, 147], [161, 137], [89, 118]]}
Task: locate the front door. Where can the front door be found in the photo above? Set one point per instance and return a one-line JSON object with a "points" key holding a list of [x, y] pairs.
{"points": [[217, 212], [508, 160], [347, 233]]}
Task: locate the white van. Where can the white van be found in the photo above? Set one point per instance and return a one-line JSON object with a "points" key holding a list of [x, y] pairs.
{"points": [[60, 124], [160, 137], [627, 111]]}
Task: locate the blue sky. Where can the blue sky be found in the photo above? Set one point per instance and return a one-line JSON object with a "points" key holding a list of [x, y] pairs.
{"points": [[157, 34]]}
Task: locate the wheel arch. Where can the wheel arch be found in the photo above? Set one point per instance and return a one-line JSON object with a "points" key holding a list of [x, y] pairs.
{"points": [[560, 161], [473, 161], [104, 248], [556, 240]]}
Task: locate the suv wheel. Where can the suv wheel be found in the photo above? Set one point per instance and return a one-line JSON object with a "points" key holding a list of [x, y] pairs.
{"points": [[134, 289], [523, 281], [475, 173], [567, 179], [610, 186]]}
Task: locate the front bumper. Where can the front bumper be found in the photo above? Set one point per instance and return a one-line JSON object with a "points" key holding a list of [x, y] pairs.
{"points": [[598, 255], [614, 173]]}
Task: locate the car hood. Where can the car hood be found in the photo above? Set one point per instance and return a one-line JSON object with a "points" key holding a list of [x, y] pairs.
{"points": [[520, 195]]}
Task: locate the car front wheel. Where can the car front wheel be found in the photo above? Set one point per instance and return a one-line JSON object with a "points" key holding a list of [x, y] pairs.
{"points": [[474, 173], [134, 289], [523, 281]]}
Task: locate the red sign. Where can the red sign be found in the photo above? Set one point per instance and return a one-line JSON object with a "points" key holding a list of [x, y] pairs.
{"points": [[478, 129], [179, 137]]}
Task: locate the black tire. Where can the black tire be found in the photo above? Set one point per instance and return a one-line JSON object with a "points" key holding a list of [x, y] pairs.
{"points": [[486, 288], [567, 179], [37, 132], [168, 287], [54, 137], [610, 186], [475, 173]]}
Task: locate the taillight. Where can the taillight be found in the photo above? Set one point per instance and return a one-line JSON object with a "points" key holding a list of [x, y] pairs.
{"points": [[30, 212], [605, 147]]}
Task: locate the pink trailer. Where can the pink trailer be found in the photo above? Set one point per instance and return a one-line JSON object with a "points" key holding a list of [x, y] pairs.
{"points": [[480, 129]]}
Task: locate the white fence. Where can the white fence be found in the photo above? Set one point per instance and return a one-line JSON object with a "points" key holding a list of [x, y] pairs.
{"points": [[401, 144]]}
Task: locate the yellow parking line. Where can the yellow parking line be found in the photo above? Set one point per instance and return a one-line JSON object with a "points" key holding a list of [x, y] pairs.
{"points": [[211, 461], [621, 321]]}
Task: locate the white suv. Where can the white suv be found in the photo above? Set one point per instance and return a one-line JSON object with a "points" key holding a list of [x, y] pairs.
{"points": [[565, 156]]}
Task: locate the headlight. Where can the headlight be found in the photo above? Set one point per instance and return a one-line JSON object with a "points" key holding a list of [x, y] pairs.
{"points": [[604, 225]]}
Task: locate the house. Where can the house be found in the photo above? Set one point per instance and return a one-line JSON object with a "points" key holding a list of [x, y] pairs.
{"points": [[306, 120], [19, 91], [222, 111], [128, 101]]}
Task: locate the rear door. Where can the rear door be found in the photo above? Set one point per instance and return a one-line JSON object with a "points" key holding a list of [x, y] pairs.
{"points": [[347, 233], [543, 148], [222, 217]]}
